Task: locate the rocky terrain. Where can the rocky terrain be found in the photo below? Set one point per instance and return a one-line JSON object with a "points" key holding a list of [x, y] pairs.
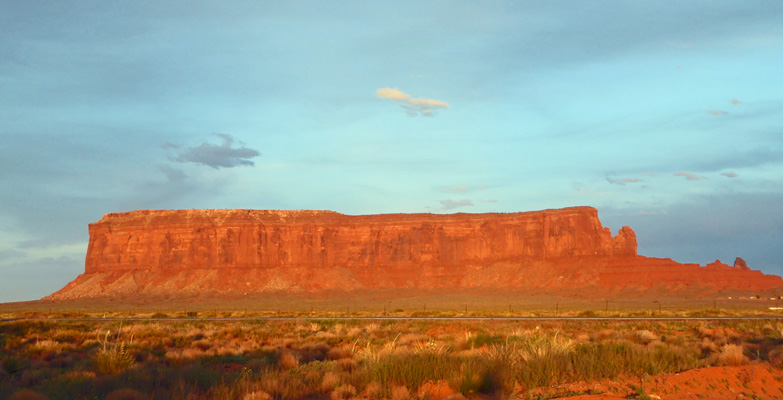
{"points": [[184, 253]]}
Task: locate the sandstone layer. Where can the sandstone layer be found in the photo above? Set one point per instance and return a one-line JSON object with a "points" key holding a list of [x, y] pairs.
{"points": [[249, 252]]}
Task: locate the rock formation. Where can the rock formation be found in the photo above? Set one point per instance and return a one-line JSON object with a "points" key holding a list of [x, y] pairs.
{"points": [[247, 252], [741, 264]]}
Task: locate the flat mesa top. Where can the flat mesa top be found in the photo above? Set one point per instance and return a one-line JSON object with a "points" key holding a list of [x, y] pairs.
{"points": [[321, 215]]}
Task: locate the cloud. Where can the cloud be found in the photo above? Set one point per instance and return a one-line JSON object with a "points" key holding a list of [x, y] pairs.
{"points": [[701, 228], [622, 181], [217, 156], [172, 174], [458, 188], [392, 94], [716, 112], [452, 204], [689, 176], [413, 107], [736, 102], [23, 280], [489, 201], [730, 174]]}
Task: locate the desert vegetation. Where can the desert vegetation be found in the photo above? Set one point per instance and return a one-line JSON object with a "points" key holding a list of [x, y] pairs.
{"points": [[400, 359]]}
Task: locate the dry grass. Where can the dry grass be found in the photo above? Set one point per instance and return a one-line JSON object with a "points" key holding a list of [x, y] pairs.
{"points": [[400, 393], [350, 359], [113, 358], [287, 360], [732, 355]]}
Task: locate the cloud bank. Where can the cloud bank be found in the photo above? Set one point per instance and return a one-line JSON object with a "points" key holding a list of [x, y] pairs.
{"points": [[413, 107], [218, 156]]}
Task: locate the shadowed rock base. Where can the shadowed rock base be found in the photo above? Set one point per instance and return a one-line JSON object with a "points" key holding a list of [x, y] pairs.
{"points": [[214, 253]]}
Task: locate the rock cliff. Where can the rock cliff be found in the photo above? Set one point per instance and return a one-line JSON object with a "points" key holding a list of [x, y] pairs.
{"points": [[241, 252]]}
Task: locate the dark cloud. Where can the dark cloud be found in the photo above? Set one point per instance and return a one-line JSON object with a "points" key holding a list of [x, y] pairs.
{"points": [[57, 184], [219, 156], [6, 254], [739, 159], [172, 174], [703, 228]]}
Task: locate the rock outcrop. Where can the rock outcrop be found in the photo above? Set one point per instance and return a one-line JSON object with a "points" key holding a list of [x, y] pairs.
{"points": [[246, 252], [741, 264]]}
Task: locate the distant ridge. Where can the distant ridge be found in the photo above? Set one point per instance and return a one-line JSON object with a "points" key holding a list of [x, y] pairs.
{"points": [[218, 253]]}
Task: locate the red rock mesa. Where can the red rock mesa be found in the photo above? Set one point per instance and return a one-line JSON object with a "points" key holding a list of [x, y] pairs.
{"points": [[245, 252]]}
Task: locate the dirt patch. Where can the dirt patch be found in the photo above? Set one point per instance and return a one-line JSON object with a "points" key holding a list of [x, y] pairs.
{"points": [[757, 381]]}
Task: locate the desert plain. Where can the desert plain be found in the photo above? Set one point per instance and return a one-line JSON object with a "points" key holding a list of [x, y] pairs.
{"points": [[421, 346], [244, 304]]}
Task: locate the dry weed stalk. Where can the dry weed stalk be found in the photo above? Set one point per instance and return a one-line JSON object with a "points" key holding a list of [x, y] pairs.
{"points": [[113, 359]]}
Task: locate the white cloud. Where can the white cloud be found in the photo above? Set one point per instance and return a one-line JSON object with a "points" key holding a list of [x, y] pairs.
{"points": [[392, 94], [689, 176], [622, 181], [452, 204], [736, 102], [716, 112], [425, 107], [730, 174]]}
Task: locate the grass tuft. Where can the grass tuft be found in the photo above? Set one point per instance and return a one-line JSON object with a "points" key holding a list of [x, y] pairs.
{"points": [[732, 355], [113, 359]]}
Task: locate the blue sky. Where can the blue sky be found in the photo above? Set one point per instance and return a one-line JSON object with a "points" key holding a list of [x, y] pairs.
{"points": [[666, 116]]}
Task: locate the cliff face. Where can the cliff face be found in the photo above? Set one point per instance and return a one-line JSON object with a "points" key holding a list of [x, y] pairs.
{"points": [[254, 251], [162, 240]]}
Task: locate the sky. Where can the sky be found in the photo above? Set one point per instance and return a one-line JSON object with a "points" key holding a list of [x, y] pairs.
{"points": [[665, 116]]}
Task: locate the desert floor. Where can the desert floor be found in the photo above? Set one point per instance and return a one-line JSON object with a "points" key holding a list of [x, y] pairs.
{"points": [[157, 356]]}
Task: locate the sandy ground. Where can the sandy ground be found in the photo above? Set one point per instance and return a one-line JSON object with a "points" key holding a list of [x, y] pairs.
{"points": [[757, 381]]}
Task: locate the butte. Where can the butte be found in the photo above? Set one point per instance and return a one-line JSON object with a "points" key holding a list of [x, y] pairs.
{"points": [[231, 253]]}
